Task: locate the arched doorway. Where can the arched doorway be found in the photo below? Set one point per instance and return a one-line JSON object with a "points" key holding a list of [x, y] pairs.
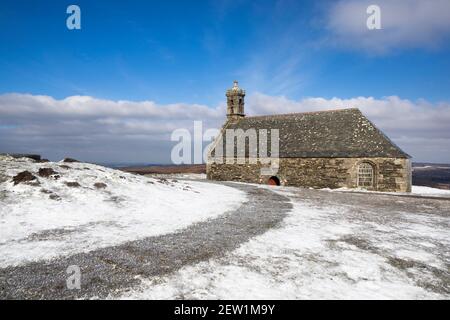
{"points": [[273, 181]]}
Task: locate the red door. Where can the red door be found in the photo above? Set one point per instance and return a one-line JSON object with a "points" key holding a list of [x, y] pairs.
{"points": [[273, 181]]}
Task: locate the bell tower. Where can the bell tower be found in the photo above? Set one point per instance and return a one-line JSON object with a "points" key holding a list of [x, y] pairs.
{"points": [[235, 102]]}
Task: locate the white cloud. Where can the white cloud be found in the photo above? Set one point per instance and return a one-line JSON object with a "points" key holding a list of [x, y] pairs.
{"points": [[112, 131], [405, 24], [95, 129]]}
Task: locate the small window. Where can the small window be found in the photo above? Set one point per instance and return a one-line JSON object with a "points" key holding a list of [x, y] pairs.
{"points": [[365, 175]]}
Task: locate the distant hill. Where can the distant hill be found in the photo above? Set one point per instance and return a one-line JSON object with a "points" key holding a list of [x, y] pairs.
{"points": [[429, 164], [431, 175], [166, 169]]}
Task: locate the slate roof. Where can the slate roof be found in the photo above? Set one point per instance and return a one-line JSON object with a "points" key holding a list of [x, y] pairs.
{"points": [[345, 133]]}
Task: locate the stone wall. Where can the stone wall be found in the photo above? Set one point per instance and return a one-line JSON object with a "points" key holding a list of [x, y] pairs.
{"points": [[390, 174]]}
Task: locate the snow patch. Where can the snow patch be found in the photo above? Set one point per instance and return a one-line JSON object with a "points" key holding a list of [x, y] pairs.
{"points": [[415, 190], [34, 227]]}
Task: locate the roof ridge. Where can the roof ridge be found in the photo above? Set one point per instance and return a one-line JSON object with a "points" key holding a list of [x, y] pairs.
{"points": [[301, 113]]}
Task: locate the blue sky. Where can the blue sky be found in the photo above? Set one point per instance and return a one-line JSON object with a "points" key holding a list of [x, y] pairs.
{"points": [[189, 52]]}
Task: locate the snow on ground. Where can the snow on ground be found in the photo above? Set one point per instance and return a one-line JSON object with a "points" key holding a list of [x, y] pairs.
{"points": [[79, 219], [415, 190], [324, 250], [429, 191]]}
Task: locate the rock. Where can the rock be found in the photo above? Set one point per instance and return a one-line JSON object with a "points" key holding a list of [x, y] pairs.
{"points": [[100, 185], [46, 191], [3, 178], [73, 184], [24, 177], [44, 160], [54, 196], [46, 172], [64, 166], [70, 160], [116, 199]]}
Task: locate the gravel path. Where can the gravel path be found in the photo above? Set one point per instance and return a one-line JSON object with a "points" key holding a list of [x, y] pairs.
{"points": [[110, 270]]}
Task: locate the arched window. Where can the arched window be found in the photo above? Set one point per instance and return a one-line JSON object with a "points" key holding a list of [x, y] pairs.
{"points": [[365, 175]]}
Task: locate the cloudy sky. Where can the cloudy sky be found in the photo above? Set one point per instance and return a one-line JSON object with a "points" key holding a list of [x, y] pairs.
{"points": [[137, 70]]}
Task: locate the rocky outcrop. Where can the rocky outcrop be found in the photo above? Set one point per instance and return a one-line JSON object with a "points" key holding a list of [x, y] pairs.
{"points": [[22, 155], [73, 184], [100, 185], [46, 172], [24, 177]]}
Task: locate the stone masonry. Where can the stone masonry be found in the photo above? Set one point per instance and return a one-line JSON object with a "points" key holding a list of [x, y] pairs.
{"points": [[390, 175]]}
